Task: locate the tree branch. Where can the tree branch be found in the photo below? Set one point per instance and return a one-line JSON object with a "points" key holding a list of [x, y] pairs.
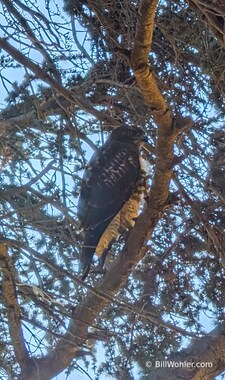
{"points": [[13, 308], [134, 250], [213, 13], [209, 349], [139, 62], [86, 312], [13, 11], [43, 75], [198, 212]]}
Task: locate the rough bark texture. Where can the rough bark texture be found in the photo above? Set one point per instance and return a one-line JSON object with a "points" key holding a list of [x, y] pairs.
{"points": [[208, 350], [10, 299]]}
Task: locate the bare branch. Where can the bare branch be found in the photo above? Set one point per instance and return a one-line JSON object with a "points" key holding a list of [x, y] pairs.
{"points": [[12, 10], [43, 75], [80, 47]]}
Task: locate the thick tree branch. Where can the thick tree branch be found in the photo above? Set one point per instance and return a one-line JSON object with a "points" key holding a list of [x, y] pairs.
{"points": [[139, 62], [86, 312], [134, 250], [166, 126], [13, 309], [209, 349], [153, 315]]}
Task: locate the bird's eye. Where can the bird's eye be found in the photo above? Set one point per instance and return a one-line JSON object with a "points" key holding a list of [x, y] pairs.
{"points": [[133, 133]]}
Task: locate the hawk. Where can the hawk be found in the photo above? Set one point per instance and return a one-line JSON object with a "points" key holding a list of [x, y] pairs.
{"points": [[111, 192]]}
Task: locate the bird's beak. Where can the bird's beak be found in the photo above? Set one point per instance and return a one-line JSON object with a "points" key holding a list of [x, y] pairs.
{"points": [[145, 139], [142, 141]]}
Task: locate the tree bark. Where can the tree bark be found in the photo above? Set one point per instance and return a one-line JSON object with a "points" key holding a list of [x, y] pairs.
{"points": [[206, 358]]}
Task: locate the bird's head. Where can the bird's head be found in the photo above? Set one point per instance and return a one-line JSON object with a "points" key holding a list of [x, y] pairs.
{"points": [[129, 134]]}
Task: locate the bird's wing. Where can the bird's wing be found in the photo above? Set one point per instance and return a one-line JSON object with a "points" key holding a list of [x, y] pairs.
{"points": [[107, 183]]}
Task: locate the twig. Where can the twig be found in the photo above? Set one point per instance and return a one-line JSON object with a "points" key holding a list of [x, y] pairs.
{"points": [[43, 75]]}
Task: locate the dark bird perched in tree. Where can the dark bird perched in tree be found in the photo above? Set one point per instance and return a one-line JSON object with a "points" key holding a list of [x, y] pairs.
{"points": [[111, 193]]}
